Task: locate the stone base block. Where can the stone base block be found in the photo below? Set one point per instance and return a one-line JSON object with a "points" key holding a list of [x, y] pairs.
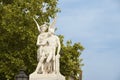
{"points": [[35, 76]]}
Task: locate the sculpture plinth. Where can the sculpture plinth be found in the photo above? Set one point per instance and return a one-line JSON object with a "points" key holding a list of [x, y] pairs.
{"points": [[47, 55], [35, 76]]}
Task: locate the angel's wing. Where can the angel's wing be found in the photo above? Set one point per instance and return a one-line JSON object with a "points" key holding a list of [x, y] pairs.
{"points": [[37, 25], [52, 26]]}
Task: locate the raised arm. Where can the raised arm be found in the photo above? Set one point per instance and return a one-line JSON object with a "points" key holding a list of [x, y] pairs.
{"points": [[37, 25]]}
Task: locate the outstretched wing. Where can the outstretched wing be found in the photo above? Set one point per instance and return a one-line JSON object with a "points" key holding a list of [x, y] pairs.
{"points": [[52, 26], [37, 25]]}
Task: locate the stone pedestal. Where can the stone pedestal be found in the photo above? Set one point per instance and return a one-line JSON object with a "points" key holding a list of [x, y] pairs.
{"points": [[35, 76]]}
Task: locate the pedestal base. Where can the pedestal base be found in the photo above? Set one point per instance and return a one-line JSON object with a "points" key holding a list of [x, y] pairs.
{"points": [[35, 76]]}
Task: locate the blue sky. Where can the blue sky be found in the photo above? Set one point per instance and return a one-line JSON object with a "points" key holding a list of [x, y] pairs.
{"points": [[96, 25]]}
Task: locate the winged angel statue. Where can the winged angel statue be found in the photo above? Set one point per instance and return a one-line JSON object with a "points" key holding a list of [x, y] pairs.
{"points": [[48, 44]]}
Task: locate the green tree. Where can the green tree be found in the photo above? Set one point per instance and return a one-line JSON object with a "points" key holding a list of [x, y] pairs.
{"points": [[18, 34], [70, 60]]}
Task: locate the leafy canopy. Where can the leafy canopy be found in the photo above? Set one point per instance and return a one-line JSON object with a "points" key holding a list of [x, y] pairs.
{"points": [[18, 34]]}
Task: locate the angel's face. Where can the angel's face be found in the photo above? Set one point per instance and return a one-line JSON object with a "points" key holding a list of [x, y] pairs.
{"points": [[43, 29]]}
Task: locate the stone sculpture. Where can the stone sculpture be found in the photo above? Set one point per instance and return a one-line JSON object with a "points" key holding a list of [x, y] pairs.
{"points": [[48, 60]]}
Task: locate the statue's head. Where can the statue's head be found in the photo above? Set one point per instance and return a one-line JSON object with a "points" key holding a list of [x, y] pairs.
{"points": [[44, 27]]}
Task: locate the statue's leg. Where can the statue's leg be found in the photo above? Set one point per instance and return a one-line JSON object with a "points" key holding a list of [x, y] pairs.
{"points": [[54, 64], [42, 67], [51, 62], [57, 65], [40, 64], [49, 57], [47, 65], [38, 54], [38, 67]]}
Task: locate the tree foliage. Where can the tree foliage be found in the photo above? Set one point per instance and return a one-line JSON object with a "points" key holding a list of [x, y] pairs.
{"points": [[18, 34], [70, 60]]}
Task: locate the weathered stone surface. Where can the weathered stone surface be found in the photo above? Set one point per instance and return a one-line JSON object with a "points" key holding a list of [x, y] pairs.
{"points": [[35, 76], [49, 46]]}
